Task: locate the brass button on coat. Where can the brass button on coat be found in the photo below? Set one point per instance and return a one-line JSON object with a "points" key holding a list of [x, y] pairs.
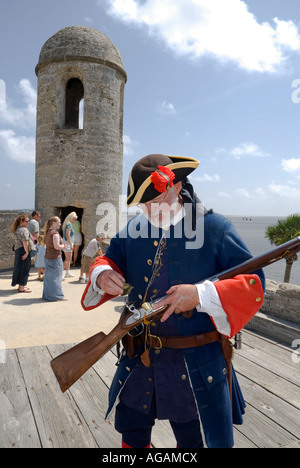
{"points": [[149, 261], [258, 299], [252, 281], [210, 379]]}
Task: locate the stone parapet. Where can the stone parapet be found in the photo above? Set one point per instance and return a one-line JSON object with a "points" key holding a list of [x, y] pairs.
{"points": [[282, 300]]}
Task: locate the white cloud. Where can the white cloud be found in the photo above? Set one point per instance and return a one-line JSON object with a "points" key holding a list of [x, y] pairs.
{"points": [[2, 91], [260, 192], [206, 178], [129, 145], [248, 149], [226, 30], [285, 191], [242, 193], [166, 108], [291, 165], [287, 34], [17, 148], [224, 194], [21, 117]]}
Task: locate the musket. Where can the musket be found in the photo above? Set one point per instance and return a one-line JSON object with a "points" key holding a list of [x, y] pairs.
{"points": [[69, 366]]}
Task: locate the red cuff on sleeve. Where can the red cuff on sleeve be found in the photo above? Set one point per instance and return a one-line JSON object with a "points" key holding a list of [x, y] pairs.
{"points": [[241, 298], [106, 297]]}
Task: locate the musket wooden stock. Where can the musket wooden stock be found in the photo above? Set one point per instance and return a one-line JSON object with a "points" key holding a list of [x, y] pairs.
{"points": [[69, 366]]}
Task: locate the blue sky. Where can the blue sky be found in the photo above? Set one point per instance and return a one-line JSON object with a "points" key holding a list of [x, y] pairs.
{"points": [[218, 80]]}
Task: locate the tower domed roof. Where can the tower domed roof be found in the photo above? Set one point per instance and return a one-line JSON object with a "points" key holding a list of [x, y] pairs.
{"points": [[80, 42]]}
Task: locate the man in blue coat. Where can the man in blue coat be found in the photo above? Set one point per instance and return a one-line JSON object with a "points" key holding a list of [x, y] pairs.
{"points": [[175, 367]]}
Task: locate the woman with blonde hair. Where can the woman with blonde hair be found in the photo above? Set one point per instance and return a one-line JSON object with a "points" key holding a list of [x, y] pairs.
{"points": [[52, 285], [68, 237], [22, 246]]}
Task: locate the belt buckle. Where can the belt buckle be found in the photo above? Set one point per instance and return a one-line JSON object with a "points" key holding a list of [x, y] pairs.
{"points": [[158, 338]]}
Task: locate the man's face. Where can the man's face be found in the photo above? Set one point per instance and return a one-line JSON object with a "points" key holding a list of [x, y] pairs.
{"points": [[161, 210]]}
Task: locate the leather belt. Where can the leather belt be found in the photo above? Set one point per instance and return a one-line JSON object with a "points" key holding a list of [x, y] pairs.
{"points": [[188, 341]]}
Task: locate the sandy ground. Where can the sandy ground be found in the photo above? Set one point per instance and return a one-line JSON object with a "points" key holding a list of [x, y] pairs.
{"points": [[28, 320]]}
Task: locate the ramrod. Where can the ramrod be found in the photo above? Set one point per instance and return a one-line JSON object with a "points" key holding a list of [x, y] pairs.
{"points": [[171, 457]]}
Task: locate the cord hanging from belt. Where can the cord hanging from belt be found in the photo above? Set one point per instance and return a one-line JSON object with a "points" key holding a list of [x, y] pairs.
{"points": [[145, 358]]}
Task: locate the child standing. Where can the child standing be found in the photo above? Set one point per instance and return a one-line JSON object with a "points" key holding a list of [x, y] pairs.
{"points": [[39, 259], [93, 249]]}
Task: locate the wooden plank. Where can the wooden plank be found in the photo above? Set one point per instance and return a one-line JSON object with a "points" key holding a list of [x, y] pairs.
{"points": [[59, 423], [76, 418], [271, 356], [162, 433], [287, 391], [263, 432], [17, 426], [90, 395], [276, 409], [240, 440], [267, 345], [270, 386]]}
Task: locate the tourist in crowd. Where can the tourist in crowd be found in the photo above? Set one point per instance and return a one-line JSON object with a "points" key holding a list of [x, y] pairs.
{"points": [[33, 225], [77, 240], [93, 249], [68, 237], [22, 246], [52, 286], [40, 257]]}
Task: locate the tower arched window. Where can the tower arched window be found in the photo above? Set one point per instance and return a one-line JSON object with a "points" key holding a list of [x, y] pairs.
{"points": [[74, 104]]}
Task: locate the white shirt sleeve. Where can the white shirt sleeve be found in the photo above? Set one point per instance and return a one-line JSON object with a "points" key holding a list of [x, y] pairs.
{"points": [[210, 303], [96, 272]]}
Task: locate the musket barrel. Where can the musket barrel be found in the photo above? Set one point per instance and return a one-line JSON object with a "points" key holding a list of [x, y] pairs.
{"points": [[68, 367]]}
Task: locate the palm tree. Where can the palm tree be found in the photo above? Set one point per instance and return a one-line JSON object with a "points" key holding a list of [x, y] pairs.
{"points": [[285, 230]]}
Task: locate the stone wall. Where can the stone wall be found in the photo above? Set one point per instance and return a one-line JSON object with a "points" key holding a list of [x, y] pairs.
{"points": [[282, 300], [7, 238]]}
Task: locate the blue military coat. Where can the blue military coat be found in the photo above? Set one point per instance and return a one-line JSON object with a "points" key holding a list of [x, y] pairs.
{"points": [[133, 251]]}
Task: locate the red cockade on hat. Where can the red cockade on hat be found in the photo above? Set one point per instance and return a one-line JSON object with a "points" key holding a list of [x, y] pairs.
{"points": [[162, 179]]}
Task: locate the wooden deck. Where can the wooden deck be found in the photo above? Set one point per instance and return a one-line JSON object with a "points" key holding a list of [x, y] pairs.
{"points": [[34, 413]]}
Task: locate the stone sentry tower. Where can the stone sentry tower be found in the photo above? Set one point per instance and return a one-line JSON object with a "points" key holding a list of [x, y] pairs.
{"points": [[79, 133]]}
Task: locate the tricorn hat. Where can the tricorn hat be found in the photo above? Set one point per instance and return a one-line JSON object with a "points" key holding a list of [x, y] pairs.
{"points": [[155, 174]]}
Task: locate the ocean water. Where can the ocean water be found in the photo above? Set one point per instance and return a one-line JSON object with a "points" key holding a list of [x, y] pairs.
{"points": [[252, 230]]}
